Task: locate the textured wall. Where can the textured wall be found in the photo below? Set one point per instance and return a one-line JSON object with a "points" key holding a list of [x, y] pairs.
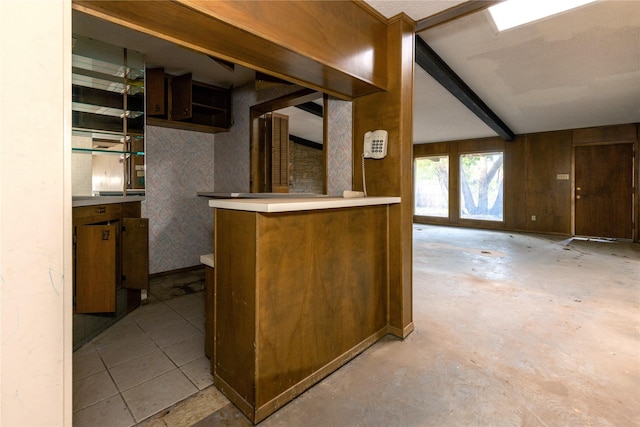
{"points": [[339, 147], [179, 164]]}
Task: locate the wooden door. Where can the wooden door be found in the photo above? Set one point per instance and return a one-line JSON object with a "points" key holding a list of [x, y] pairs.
{"points": [[95, 268], [271, 149], [604, 191], [155, 92], [135, 253], [181, 97], [279, 139]]}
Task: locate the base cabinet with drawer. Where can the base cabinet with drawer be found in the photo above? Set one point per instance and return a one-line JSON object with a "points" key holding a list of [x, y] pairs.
{"points": [[111, 251]]}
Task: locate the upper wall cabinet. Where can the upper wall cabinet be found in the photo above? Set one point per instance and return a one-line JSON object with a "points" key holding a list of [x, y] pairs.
{"points": [[108, 119], [180, 102]]}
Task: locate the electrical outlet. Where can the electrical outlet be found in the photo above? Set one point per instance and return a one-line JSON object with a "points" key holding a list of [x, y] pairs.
{"points": [[533, 217]]}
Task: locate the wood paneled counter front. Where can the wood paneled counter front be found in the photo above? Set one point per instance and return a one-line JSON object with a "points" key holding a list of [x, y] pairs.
{"points": [[301, 287]]}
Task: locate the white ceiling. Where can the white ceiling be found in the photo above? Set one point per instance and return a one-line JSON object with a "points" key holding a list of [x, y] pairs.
{"points": [[574, 70], [578, 69]]}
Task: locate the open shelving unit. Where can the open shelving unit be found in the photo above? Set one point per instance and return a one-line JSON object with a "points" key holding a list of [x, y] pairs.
{"points": [[108, 104]]}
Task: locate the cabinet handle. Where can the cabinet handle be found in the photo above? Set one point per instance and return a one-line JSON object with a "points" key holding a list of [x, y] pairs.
{"points": [[186, 111], [101, 209]]}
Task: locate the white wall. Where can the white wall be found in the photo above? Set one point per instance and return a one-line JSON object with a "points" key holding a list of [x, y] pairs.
{"points": [[35, 213]]}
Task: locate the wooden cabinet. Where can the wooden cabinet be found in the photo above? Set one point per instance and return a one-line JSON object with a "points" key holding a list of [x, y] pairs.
{"points": [[156, 92], [180, 102], [111, 244], [135, 253], [95, 268], [297, 294]]}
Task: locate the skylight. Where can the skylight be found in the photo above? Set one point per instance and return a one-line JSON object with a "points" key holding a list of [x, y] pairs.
{"points": [[512, 13]]}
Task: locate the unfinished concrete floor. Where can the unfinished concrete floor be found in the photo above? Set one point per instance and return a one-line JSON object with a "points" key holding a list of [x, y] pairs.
{"points": [[510, 330]]}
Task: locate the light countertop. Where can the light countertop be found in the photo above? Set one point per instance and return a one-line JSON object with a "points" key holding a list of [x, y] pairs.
{"points": [[299, 204], [78, 201], [207, 260]]}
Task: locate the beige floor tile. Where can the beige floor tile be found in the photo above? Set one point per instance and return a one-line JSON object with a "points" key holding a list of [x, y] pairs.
{"points": [[186, 350], [199, 372], [199, 322], [85, 348], [125, 350], [160, 320], [137, 371], [92, 389], [112, 412], [161, 392], [150, 311], [86, 363], [121, 331], [173, 333], [188, 306]]}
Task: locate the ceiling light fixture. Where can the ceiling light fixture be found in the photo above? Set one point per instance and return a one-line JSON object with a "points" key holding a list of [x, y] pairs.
{"points": [[512, 13]]}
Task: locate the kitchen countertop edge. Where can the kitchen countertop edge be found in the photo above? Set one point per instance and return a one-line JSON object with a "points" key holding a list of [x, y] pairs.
{"points": [[104, 200], [274, 205]]}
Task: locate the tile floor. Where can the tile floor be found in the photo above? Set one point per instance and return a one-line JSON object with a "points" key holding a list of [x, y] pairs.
{"points": [[148, 361]]}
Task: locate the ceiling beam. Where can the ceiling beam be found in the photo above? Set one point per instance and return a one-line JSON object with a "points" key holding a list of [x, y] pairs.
{"points": [[305, 142], [311, 107], [439, 70], [452, 13]]}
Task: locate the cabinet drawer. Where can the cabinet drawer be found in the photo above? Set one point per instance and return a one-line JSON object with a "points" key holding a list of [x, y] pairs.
{"points": [[96, 213]]}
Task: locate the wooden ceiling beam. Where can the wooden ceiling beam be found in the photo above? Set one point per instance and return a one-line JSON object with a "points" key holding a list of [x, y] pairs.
{"points": [[311, 107]]}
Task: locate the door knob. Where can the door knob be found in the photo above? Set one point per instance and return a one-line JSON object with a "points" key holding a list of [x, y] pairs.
{"points": [[578, 196]]}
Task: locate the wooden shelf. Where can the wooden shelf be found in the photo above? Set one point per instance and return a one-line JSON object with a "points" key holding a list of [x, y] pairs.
{"points": [[177, 124], [182, 103]]}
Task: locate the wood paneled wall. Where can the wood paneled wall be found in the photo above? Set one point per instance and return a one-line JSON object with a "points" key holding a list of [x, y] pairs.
{"points": [[532, 163], [337, 47], [392, 110]]}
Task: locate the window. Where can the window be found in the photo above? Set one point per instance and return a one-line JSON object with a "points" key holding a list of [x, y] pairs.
{"points": [[481, 192], [432, 186]]}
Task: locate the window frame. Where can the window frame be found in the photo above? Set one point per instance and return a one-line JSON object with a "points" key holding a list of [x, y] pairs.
{"points": [[447, 216], [466, 219]]}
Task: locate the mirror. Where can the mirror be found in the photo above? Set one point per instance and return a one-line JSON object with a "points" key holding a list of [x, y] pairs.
{"points": [[287, 144], [107, 119]]}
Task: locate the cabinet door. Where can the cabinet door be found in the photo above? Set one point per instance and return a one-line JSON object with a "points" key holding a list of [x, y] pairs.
{"points": [[156, 92], [181, 97], [135, 253], [95, 269]]}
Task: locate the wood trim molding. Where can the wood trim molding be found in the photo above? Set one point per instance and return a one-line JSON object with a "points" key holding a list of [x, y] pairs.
{"points": [[453, 13]]}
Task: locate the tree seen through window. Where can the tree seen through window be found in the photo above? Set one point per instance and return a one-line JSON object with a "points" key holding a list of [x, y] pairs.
{"points": [[481, 186]]}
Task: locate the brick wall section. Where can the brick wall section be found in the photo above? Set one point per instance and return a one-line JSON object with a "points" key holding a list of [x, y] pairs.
{"points": [[307, 169]]}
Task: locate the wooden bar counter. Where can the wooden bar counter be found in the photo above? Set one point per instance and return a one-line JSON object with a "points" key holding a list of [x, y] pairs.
{"points": [[301, 287]]}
